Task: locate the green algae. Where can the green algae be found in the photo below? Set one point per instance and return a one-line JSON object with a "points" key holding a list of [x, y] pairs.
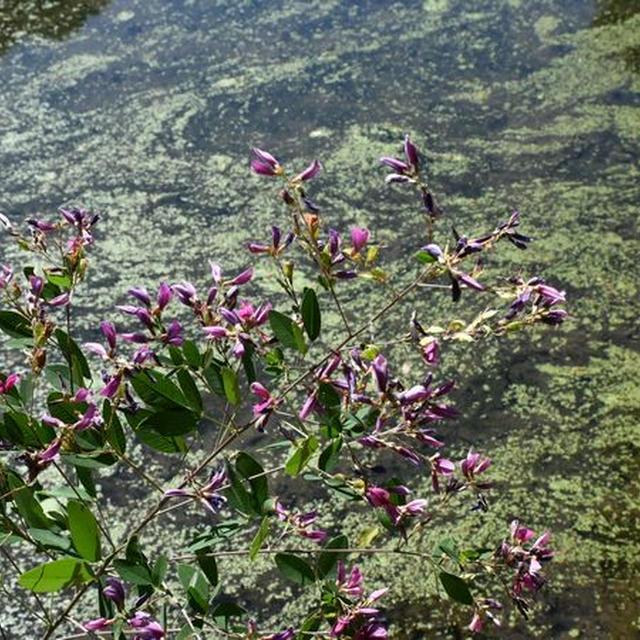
{"points": [[539, 113]]}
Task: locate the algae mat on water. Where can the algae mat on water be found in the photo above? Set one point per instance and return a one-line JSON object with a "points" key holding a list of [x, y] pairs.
{"points": [[144, 111]]}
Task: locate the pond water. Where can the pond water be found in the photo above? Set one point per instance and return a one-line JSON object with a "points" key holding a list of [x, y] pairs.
{"points": [[144, 110]]}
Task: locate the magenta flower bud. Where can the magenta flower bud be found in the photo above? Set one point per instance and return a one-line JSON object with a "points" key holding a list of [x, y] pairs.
{"points": [[238, 349], [97, 625], [59, 301], [334, 242], [50, 452], [260, 390], [243, 278], [359, 238], [138, 338], [229, 315], [109, 332], [68, 216], [140, 294], [41, 225], [50, 421], [308, 406], [11, 380], [216, 272], [377, 496], [114, 591], [254, 247], [275, 236], [82, 395], [186, 292], [443, 466], [431, 353], [379, 368], [330, 367], [212, 295], [397, 165], [37, 285], [261, 168], [264, 156], [411, 152], [470, 282], [262, 313], [176, 493], [173, 334], [216, 332], [414, 394], [164, 295], [310, 172]]}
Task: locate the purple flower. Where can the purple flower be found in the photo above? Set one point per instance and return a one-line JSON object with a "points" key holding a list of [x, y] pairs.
{"points": [[98, 624], [411, 152], [216, 332], [186, 292], [164, 295], [398, 166], [140, 294], [379, 368], [310, 172], [242, 278], [173, 335], [359, 238], [8, 383], [114, 591], [264, 164], [109, 332], [59, 301], [98, 349], [431, 353]]}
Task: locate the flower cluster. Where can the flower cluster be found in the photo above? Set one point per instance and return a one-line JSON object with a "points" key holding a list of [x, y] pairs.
{"points": [[300, 522]]}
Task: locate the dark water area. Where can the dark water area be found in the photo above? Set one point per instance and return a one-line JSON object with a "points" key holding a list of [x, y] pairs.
{"points": [[144, 110]]}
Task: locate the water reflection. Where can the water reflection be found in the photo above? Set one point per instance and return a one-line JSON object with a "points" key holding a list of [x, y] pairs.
{"points": [[615, 11], [47, 18]]}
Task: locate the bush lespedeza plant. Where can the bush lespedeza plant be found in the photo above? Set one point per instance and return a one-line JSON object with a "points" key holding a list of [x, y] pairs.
{"points": [[70, 410]]}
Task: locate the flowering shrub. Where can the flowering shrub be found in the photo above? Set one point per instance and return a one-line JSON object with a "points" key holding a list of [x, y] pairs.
{"points": [[184, 361]]}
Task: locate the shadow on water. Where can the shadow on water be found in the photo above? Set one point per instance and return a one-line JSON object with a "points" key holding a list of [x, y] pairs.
{"points": [[617, 12], [55, 19]]}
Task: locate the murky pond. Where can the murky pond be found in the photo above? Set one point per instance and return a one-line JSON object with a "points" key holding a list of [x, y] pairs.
{"points": [[144, 110]]}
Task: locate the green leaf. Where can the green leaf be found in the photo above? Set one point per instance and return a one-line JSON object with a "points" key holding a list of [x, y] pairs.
{"points": [[213, 377], [295, 569], [50, 539], [84, 531], [259, 538], [159, 569], [301, 456], [190, 390], [230, 385], [249, 467], [195, 584], [59, 280], [424, 257], [85, 477], [330, 455], [446, 546], [287, 331], [170, 422], [113, 427], [208, 565], [26, 503], [56, 575], [239, 498], [456, 588], [227, 610], [133, 572], [79, 366], [157, 390], [99, 460], [15, 325], [191, 354], [310, 310], [327, 560]]}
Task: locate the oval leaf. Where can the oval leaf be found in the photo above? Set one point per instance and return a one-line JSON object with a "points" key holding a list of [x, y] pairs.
{"points": [[456, 588], [56, 575], [310, 310], [294, 568]]}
